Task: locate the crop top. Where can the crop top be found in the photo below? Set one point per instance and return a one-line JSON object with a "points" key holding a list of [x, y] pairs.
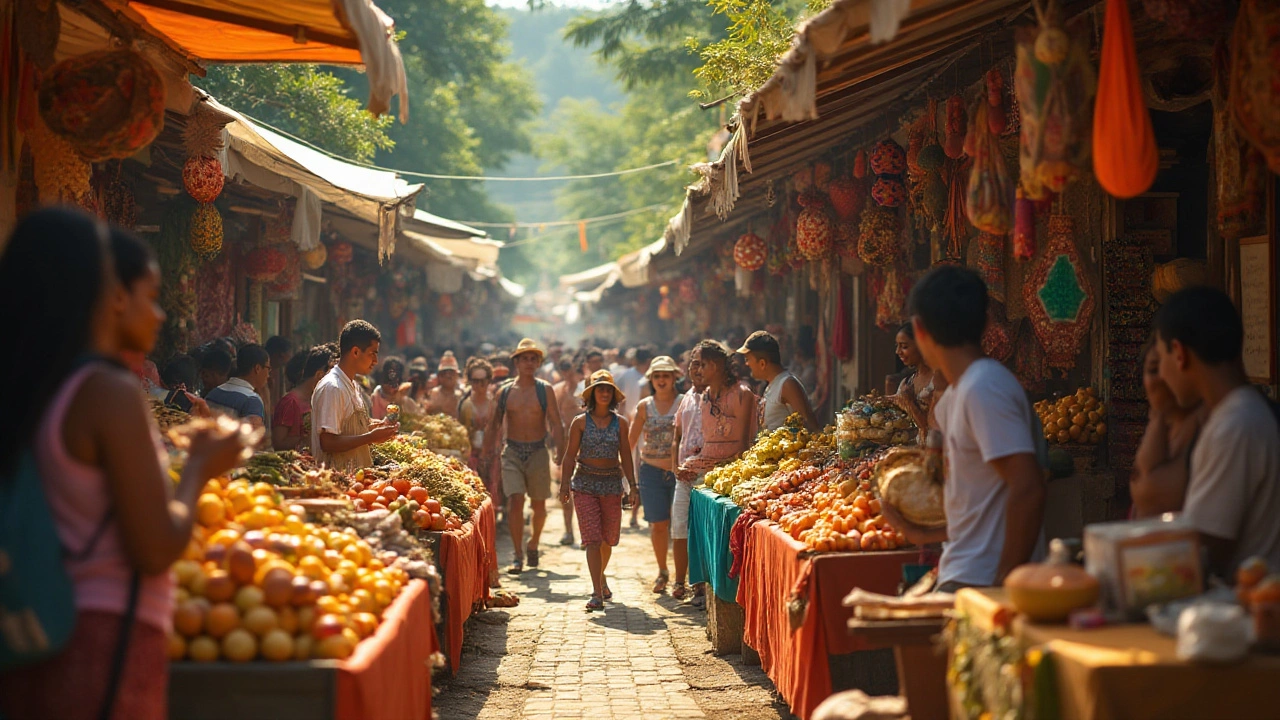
{"points": [[599, 443]]}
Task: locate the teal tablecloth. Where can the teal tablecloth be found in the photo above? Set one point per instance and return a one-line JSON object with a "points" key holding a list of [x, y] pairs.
{"points": [[711, 517]]}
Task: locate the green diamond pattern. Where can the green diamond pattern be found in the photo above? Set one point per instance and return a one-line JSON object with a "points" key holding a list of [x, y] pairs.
{"points": [[1062, 296]]}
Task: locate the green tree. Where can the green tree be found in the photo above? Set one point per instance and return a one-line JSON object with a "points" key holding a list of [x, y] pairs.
{"points": [[303, 100], [759, 33]]}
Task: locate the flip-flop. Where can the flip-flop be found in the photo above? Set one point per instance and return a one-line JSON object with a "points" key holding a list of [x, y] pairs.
{"points": [[608, 594], [516, 568], [566, 539], [678, 592], [660, 585], [533, 557], [595, 603]]}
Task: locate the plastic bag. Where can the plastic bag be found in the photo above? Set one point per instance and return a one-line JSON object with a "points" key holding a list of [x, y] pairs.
{"points": [[1125, 157], [990, 191], [1054, 110]]}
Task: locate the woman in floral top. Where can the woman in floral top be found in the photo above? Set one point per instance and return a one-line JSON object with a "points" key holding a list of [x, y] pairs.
{"points": [[728, 414]]}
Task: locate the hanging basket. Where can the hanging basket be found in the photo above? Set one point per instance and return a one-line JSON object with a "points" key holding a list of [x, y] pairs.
{"points": [[814, 233], [889, 191], [264, 264], [108, 104], [888, 158], [206, 231], [341, 252], [315, 259], [750, 252], [202, 178]]}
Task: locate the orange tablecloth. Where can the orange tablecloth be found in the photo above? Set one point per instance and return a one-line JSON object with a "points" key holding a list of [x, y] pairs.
{"points": [[464, 563], [1131, 672], [389, 675], [776, 566]]}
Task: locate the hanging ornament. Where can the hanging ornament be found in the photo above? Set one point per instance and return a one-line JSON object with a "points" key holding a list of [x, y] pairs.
{"points": [[315, 259], [1255, 79], [847, 197], [814, 232], [847, 234], [878, 234], [1054, 97], [860, 165], [206, 231], [264, 264], [289, 281], [1059, 296], [892, 301], [888, 191], [61, 173], [202, 178], [957, 124], [108, 104], [888, 158], [1024, 227], [1125, 156], [750, 252], [988, 261], [990, 188], [341, 252]]}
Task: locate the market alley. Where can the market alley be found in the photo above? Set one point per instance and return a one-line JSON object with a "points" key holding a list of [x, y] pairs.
{"points": [[645, 656]]}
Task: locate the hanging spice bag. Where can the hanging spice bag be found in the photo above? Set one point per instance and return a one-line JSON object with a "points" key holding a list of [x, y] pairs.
{"points": [[1255, 77], [1125, 156], [1060, 296], [990, 190]]}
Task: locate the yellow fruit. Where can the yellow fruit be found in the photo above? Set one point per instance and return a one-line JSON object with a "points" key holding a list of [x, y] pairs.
{"points": [[185, 571], [209, 509], [260, 620], [288, 618], [277, 646], [203, 649], [302, 645], [177, 646], [221, 619], [262, 489], [313, 567], [239, 646], [240, 500], [248, 597], [334, 647]]}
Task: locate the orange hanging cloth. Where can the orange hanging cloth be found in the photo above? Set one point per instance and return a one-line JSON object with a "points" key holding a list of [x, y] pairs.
{"points": [[1125, 157], [582, 235]]}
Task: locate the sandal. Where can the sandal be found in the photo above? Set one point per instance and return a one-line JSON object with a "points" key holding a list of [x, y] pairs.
{"points": [[608, 594], [566, 539], [516, 568], [533, 557], [679, 591], [595, 603], [660, 585]]}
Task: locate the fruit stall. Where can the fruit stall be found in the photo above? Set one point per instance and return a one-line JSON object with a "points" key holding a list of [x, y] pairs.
{"points": [[313, 593]]}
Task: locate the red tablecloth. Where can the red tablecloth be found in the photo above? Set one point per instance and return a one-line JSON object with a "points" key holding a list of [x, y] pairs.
{"points": [[389, 675], [465, 560], [774, 568]]}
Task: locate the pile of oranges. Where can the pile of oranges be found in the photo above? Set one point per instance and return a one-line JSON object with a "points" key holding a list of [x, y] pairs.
{"points": [[413, 502], [1079, 418], [257, 581]]}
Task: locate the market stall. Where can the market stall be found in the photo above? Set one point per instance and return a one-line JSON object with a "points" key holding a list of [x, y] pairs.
{"points": [[711, 520], [466, 561]]}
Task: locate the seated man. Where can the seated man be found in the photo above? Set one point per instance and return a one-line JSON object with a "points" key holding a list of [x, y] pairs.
{"points": [[1233, 494]]}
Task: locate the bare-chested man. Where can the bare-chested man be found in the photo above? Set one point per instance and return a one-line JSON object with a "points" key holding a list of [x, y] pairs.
{"points": [[570, 407], [528, 406]]}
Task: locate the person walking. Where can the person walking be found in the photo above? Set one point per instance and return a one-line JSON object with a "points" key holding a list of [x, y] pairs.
{"points": [[527, 407], [74, 298], [601, 452], [446, 395], [688, 442], [654, 431], [570, 406], [474, 413]]}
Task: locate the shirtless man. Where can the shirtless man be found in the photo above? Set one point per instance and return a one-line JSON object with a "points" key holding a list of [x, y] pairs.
{"points": [[529, 407], [570, 407]]}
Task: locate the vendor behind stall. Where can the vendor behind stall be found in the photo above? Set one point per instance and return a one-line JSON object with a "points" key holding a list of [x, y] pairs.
{"points": [[994, 488], [918, 392], [341, 431], [241, 395], [783, 393], [1233, 494]]}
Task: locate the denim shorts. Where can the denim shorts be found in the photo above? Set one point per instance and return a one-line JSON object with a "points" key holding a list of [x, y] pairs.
{"points": [[657, 490]]}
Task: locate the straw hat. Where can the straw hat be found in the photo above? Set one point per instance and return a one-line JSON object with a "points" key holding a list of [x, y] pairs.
{"points": [[527, 345], [663, 364], [448, 362], [598, 378]]}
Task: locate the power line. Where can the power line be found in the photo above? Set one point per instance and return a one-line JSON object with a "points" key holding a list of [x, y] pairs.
{"points": [[435, 176]]}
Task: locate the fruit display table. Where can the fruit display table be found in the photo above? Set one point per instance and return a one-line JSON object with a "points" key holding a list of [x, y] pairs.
{"points": [[802, 662], [1128, 672], [387, 678], [711, 517], [464, 560]]}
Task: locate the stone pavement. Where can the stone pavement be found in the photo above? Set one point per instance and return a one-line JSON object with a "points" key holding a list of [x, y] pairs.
{"points": [[645, 656]]}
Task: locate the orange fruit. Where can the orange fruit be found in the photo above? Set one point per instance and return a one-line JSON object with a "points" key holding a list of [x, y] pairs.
{"points": [[221, 619], [288, 619], [209, 509], [334, 647], [277, 646], [302, 644], [401, 485], [188, 618], [203, 649], [1267, 591], [239, 646], [218, 586], [248, 597], [1251, 572], [418, 493], [261, 620], [277, 587], [177, 647]]}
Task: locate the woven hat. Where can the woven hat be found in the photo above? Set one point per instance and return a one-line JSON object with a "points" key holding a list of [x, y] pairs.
{"points": [[448, 362], [527, 345], [663, 364], [598, 378]]}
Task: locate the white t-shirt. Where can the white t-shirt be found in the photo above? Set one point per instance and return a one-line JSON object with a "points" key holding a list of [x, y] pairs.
{"points": [[629, 384], [985, 416], [335, 398], [1234, 489]]}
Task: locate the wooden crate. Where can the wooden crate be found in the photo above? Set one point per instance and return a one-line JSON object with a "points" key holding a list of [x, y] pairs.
{"points": [[248, 691]]}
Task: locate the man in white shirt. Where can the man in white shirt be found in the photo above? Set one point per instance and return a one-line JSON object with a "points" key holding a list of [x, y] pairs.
{"points": [[629, 380], [341, 431], [1233, 492], [994, 488]]}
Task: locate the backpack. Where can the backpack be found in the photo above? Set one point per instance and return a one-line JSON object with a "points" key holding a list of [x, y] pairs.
{"points": [[540, 388], [37, 598]]}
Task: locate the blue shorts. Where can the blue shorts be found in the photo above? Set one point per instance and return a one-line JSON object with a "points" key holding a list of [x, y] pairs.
{"points": [[657, 490]]}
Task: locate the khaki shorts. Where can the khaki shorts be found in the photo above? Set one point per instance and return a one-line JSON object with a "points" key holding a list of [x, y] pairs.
{"points": [[530, 477]]}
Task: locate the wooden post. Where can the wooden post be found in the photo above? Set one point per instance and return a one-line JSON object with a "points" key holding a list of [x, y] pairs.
{"points": [[725, 622]]}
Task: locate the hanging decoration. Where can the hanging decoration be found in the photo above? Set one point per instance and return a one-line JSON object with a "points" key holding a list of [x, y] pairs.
{"points": [[202, 139], [847, 234], [1240, 168], [61, 174], [878, 235], [997, 120], [953, 144], [107, 104], [847, 197], [202, 178], [997, 338], [315, 259], [1125, 156], [956, 225], [988, 261], [1188, 18], [1059, 295], [888, 162], [289, 281], [891, 303], [813, 227], [206, 231], [341, 252], [750, 252], [860, 165], [989, 189], [1255, 77], [1054, 86], [264, 264], [1024, 227]]}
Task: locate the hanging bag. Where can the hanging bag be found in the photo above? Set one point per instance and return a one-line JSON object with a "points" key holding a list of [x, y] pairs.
{"points": [[1125, 157]]}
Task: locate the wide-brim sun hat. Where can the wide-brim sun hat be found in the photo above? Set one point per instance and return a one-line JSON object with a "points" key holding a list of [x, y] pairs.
{"points": [[598, 378], [663, 363], [448, 362], [527, 345]]}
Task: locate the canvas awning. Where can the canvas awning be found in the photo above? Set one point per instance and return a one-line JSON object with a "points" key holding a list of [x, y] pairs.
{"points": [[836, 86], [633, 268], [591, 277], [335, 32], [461, 241]]}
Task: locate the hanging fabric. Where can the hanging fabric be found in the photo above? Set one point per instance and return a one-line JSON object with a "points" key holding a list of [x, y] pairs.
{"points": [[1125, 157], [1255, 78], [582, 235]]}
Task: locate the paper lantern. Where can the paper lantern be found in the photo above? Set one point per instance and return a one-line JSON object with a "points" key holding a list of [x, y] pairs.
{"points": [[814, 233], [264, 264], [108, 104], [750, 252], [202, 178], [341, 252], [315, 259], [206, 230]]}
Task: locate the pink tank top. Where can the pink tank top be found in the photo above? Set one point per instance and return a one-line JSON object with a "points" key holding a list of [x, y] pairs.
{"points": [[79, 500]]}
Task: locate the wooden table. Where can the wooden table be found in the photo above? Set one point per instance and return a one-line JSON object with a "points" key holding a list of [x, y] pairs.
{"points": [[922, 667]]}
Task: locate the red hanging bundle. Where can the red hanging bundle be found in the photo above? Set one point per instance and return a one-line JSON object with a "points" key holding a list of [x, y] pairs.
{"points": [[1125, 157], [1024, 227], [953, 145]]}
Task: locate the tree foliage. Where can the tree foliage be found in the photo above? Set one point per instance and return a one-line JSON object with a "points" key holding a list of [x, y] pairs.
{"points": [[305, 101], [760, 32]]}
